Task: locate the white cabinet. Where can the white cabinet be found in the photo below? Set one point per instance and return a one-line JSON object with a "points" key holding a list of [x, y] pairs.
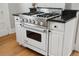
{"points": [[56, 26], [20, 31], [62, 37], [55, 45], [56, 35]]}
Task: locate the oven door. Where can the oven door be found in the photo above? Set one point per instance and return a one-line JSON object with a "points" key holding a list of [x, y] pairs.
{"points": [[36, 37]]}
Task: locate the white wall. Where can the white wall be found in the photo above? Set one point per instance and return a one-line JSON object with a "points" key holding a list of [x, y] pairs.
{"points": [[17, 8], [24, 7], [12, 9], [75, 6], [54, 5], [68, 6], [4, 11]]}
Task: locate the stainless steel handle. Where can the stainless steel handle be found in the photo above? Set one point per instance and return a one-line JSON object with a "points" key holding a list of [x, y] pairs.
{"points": [[43, 30], [16, 19], [49, 31], [20, 24]]}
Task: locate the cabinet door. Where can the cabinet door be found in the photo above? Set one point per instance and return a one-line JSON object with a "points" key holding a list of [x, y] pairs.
{"points": [[20, 33], [55, 45]]}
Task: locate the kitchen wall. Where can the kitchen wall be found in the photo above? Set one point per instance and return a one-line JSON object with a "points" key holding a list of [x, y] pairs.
{"points": [[54, 5], [68, 6], [75, 6], [17, 8], [13, 8], [4, 19]]}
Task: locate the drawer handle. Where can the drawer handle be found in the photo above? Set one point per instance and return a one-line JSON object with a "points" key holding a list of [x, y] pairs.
{"points": [[55, 26], [20, 24], [49, 31], [16, 19]]}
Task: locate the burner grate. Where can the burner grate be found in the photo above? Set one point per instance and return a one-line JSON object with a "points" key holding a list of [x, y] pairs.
{"points": [[47, 14], [31, 13]]}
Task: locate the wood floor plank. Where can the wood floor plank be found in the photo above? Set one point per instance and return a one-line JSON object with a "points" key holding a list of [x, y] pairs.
{"points": [[9, 47]]}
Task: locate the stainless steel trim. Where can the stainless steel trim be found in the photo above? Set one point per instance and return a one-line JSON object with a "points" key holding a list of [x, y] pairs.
{"points": [[42, 30]]}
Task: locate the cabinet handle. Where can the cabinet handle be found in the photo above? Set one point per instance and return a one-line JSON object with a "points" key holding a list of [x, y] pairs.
{"points": [[16, 19], [20, 24], [49, 31], [55, 26]]}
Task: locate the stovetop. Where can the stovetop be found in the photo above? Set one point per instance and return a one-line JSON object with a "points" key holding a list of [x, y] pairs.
{"points": [[32, 13], [47, 14], [40, 14], [65, 16]]}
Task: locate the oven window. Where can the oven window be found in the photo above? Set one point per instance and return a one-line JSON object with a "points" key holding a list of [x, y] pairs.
{"points": [[33, 35]]}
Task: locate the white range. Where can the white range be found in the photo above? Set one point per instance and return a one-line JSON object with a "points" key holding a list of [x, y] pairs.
{"points": [[46, 33]]}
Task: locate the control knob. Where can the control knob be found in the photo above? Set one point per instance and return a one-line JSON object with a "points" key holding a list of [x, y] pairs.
{"points": [[16, 19], [32, 21], [29, 20], [36, 22], [41, 23], [26, 20]]}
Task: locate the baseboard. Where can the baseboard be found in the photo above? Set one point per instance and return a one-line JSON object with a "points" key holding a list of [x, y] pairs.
{"points": [[12, 31]]}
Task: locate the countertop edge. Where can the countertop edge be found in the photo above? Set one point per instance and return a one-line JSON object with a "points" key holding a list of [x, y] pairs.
{"points": [[61, 21], [15, 14]]}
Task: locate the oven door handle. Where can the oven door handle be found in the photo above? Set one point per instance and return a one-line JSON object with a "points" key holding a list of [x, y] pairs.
{"points": [[40, 30]]}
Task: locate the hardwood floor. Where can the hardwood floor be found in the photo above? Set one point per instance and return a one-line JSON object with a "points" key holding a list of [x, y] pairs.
{"points": [[9, 47], [75, 53]]}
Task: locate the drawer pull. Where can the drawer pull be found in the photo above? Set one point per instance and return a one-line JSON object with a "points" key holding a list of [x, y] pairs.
{"points": [[49, 31], [55, 26], [16, 19]]}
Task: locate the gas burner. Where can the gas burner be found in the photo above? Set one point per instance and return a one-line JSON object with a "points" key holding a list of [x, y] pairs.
{"points": [[47, 14], [39, 18], [32, 13]]}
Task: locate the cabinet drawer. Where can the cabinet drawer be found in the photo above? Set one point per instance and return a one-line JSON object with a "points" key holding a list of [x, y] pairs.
{"points": [[57, 26]]}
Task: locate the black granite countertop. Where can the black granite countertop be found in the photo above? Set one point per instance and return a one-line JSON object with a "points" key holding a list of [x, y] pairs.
{"points": [[63, 20], [66, 16], [17, 14]]}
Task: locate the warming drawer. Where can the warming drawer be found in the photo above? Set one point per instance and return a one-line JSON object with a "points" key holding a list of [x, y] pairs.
{"points": [[57, 26]]}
